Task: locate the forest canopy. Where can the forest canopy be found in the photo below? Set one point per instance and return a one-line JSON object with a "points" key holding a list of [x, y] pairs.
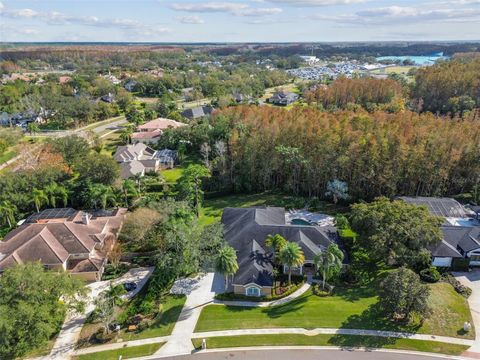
{"points": [[301, 150]]}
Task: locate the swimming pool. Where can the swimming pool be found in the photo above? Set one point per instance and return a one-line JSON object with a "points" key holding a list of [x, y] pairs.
{"points": [[300, 222]]}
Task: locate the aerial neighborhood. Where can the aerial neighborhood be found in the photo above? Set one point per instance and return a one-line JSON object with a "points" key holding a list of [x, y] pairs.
{"points": [[175, 199]]}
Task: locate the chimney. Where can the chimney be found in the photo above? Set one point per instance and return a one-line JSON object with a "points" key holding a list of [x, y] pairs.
{"points": [[86, 218]]}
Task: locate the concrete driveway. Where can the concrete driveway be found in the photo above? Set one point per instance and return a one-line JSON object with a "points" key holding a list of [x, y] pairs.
{"points": [[68, 336], [200, 291], [472, 280]]}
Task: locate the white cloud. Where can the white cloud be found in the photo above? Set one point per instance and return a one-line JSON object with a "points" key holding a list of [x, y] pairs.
{"points": [[194, 19], [317, 2], [237, 9], [210, 7], [400, 15], [58, 18], [18, 30]]}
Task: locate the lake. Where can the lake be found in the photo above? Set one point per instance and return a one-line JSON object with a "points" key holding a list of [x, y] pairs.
{"points": [[418, 60]]}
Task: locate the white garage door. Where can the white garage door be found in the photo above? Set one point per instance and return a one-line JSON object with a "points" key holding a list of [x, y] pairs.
{"points": [[442, 261]]}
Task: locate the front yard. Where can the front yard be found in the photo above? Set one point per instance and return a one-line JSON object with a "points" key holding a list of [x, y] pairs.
{"points": [[351, 308], [160, 325], [347, 341]]}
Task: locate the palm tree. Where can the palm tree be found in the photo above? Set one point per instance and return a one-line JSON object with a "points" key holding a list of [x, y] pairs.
{"points": [[138, 179], [54, 191], [7, 212], [329, 262], [39, 198], [291, 255], [226, 263], [126, 134], [101, 195], [128, 189], [276, 242]]}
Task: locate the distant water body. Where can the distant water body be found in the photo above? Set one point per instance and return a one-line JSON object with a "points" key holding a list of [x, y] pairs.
{"points": [[418, 60]]}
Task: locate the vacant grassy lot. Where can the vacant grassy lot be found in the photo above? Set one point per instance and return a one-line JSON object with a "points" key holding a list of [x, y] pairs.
{"points": [[331, 340], [394, 69], [350, 308], [213, 207], [126, 352]]}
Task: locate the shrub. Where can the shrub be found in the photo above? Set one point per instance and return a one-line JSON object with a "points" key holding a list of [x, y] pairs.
{"points": [[230, 296], [319, 291], [463, 290], [430, 274]]}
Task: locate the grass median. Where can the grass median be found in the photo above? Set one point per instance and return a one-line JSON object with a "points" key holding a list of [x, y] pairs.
{"points": [[347, 341], [125, 352]]}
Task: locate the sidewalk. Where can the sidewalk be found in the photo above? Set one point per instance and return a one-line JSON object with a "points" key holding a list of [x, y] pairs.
{"points": [[68, 336], [281, 301], [333, 331], [179, 346]]}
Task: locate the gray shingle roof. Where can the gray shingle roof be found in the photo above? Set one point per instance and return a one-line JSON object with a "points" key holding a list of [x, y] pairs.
{"points": [[246, 230], [456, 238]]}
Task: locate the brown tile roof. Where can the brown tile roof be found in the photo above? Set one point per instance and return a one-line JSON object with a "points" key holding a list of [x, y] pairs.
{"points": [[52, 241], [160, 124]]}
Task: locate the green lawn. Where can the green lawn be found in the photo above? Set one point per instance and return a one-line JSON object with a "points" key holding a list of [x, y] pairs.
{"points": [[331, 340], [7, 156], [351, 308], [126, 352], [172, 175], [164, 323], [213, 207]]}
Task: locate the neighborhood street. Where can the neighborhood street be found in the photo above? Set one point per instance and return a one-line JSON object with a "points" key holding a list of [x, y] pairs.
{"points": [[304, 354]]}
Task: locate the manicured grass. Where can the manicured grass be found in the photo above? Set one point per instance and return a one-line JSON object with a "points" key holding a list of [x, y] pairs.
{"points": [[172, 175], [213, 207], [7, 156], [111, 142], [163, 324], [126, 352], [351, 308], [331, 340]]}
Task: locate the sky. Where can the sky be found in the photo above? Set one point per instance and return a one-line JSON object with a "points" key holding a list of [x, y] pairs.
{"points": [[238, 21]]}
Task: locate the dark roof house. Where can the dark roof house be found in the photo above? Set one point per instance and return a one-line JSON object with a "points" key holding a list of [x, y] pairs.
{"points": [[246, 230], [283, 98], [197, 112], [461, 231]]}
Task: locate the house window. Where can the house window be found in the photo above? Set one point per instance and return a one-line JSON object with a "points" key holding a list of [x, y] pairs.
{"points": [[475, 258], [252, 291]]}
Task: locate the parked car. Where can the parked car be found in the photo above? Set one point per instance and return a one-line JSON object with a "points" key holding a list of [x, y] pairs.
{"points": [[129, 286]]}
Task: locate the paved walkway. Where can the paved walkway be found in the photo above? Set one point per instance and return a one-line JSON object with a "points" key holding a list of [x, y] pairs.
{"points": [[303, 289], [200, 292], [180, 343], [68, 336], [332, 331], [472, 280]]}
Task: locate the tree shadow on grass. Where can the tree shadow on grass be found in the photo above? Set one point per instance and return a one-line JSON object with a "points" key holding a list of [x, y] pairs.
{"points": [[355, 341], [352, 294], [291, 306], [373, 318]]}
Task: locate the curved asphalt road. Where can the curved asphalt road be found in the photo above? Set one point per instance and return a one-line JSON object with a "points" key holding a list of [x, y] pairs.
{"points": [[304, 354]]}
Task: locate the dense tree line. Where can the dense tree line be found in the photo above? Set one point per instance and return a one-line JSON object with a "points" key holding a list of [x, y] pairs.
{"points": [[448, 87], [302, 150], [368, 93]]}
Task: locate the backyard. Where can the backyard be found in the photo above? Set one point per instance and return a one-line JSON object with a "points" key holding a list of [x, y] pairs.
{"points": [[352, 308], [213, 207]]}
